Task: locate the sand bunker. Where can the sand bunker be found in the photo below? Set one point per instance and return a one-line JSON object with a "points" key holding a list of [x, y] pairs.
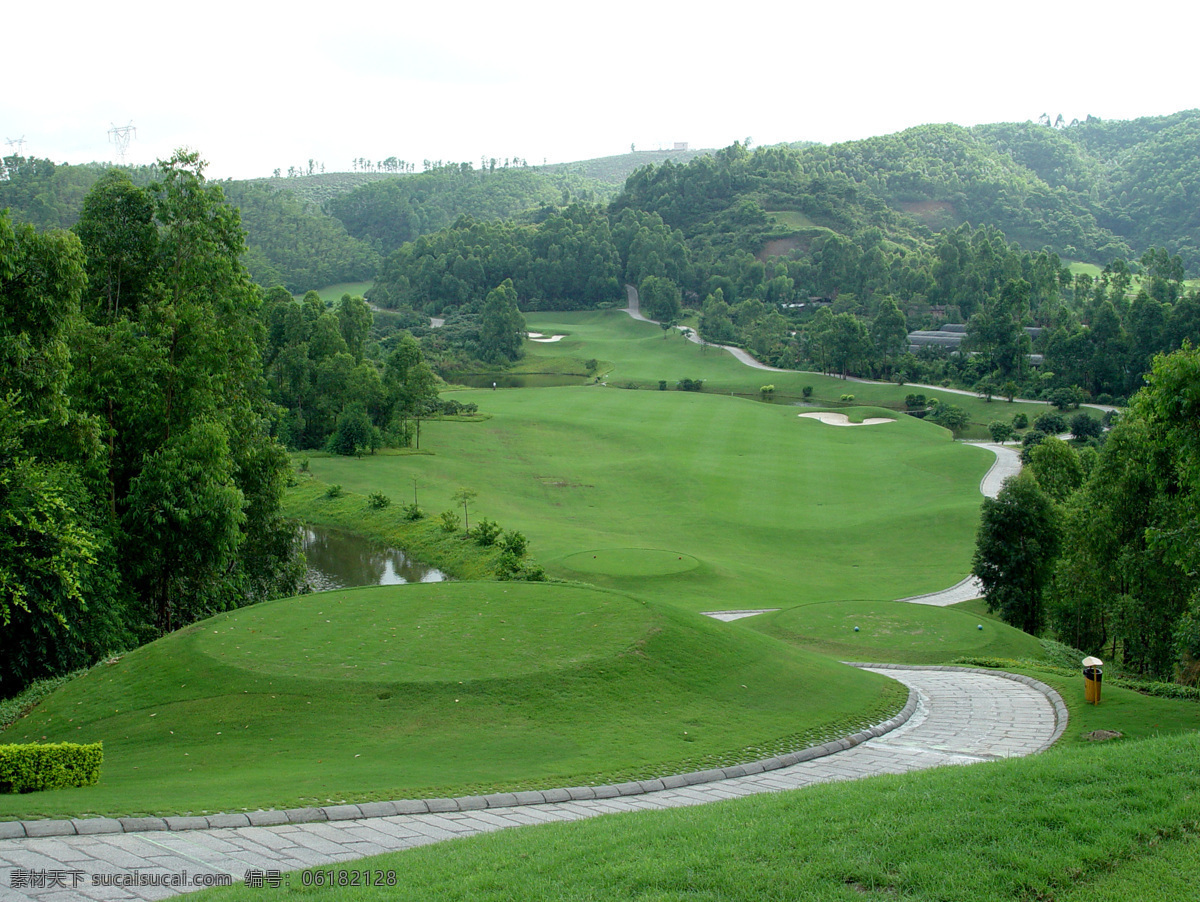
{"points": [[538, 336], [840, 419]]}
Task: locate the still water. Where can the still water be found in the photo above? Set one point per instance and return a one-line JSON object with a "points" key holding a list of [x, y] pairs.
{"points": [[342, 560]]}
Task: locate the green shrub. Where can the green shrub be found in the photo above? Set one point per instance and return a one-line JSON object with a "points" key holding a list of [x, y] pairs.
{"points": [[847, 397], [1000, 432], [378, 501], [334, 491], [1084, 427], [486, 532], [1051, 423], [55, 765], [807, 391], [515, 543], [413, 512], [1020, 421], [451, 520]]}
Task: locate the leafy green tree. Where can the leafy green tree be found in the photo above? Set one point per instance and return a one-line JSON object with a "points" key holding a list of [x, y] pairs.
{"points": [[355, 319], [176, 379], [1000, 431], [501, 325], [116, 228], [1057, 468], [952, 417], [889, 332], [1084, 427], [1015, 551], [660, 299]]}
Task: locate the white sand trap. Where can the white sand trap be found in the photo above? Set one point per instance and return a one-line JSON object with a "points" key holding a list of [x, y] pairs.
{"points": [[840, 419], [533, 335], [728, 616], [550, 339]]}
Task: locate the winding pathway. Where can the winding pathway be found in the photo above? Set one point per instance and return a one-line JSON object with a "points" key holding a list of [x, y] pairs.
{"points": [[953, 716]]}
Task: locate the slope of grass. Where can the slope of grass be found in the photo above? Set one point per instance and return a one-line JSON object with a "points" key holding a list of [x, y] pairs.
{"points": [[775, 508], [895, 632], [1117, 822], [431, 690]]}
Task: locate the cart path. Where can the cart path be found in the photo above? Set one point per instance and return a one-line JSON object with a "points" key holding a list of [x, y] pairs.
{"points": [[954, 716]]}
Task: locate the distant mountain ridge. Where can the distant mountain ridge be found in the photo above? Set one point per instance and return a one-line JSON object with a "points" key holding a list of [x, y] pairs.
{"points": [[1091, 191]]}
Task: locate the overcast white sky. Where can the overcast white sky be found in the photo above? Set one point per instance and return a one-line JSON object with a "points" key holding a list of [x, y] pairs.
{"points": [[253, 89]]}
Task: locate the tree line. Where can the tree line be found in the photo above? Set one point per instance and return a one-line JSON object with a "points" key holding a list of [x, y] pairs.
{"points": [[139, 478], [1100, 547]]}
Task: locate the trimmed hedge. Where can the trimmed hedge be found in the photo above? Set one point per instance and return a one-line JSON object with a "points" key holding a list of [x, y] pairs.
{"points": [[55, 765]]}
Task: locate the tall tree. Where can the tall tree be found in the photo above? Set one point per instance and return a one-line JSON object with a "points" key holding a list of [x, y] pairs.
{"points": [[501, 326], [1015, 550]]}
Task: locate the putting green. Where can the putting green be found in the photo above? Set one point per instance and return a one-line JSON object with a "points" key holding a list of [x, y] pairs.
{"points": [[427, 632], [896, 632], [630, 562]]}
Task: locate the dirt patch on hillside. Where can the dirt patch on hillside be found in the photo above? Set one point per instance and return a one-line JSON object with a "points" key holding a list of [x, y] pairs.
{"points": [[935, 214], [783, 247]]}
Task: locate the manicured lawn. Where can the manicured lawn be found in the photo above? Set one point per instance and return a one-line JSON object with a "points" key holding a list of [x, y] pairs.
{"points": [[331, 294], [895, 632], [772, 508], [435, 689], [642, 357], [1115, 822]]}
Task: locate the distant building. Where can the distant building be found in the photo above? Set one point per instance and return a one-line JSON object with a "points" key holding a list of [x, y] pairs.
{"points": [[680, 145]]}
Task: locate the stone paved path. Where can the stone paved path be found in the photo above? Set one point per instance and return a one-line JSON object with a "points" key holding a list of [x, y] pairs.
{"points": [[961, 717]]}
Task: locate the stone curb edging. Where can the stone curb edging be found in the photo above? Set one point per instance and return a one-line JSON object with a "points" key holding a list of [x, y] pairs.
{"points": [[275, 818], [1061, 714]]}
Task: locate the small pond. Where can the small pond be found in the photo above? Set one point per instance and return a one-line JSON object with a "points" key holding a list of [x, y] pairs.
{"points": [[342, 560]]}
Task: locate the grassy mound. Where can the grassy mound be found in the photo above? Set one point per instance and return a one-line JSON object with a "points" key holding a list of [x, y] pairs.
{"points": [[896, 632], [435, 689], [1109, 823]]}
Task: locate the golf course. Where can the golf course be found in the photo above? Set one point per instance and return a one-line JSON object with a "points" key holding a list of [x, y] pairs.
{"points": [[648, 509]]}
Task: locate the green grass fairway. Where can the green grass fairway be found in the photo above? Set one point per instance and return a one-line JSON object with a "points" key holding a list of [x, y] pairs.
{"points": [[331, 294], [642, 356], [1116, 823], [895, 632], [435, 689], [629, 562], [775, 508]]}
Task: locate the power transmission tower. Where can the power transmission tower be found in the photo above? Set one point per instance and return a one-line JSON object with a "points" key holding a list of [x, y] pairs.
{"points": [[121, 136], [18, 143]]}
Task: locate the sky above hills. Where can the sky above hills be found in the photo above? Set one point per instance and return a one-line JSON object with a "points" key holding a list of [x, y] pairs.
{"points": [[257, 89]]}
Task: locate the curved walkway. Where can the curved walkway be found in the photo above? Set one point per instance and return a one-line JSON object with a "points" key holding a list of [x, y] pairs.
{"points": [[954, 716]]}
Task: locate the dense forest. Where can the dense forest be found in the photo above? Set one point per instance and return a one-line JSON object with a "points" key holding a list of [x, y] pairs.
{"points": [[139, 479]]}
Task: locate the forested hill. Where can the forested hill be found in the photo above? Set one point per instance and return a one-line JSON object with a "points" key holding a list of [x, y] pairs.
{"points": [[289, 242], [1092, 190]]}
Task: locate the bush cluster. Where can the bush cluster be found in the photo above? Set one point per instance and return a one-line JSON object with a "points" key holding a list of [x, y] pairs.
{"points": [[56, 765]]}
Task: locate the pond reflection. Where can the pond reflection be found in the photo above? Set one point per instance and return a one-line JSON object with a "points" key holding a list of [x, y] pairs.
{"points": [[342, 560]]}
